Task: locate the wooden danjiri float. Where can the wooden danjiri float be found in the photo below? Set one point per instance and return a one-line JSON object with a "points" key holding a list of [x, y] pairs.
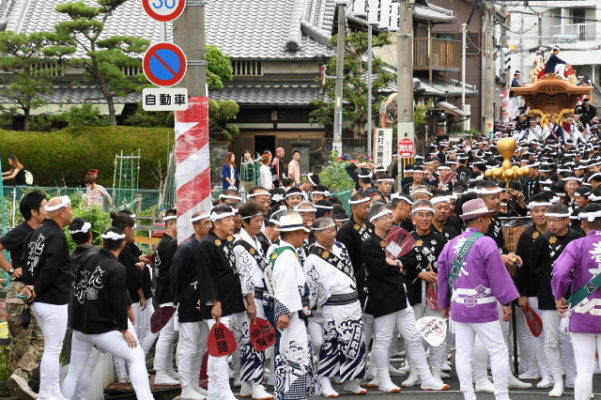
{"points": [[552, 95]]}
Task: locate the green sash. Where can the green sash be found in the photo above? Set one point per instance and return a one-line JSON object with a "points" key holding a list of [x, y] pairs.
{"points": [[461, 256], [278, 252], [585, 291]]}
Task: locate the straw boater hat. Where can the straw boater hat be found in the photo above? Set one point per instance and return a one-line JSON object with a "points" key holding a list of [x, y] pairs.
{"points": [[291, 223], [475, 209]]}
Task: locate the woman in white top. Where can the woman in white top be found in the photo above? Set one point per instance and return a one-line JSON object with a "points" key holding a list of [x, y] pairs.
{"points": [[96, 194], [266, 178]]}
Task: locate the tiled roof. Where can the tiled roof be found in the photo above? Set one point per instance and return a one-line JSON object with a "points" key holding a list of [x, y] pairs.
{"points": [[257, 29], [436, 88], [286, 93], [78, 95], [432, 13]]}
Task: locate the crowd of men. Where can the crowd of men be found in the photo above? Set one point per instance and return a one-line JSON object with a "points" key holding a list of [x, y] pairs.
{"points": [[328, 282]]}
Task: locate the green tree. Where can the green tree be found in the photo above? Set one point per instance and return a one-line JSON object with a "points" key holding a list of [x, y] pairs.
{"points": [[355, 84], [220, 67], [220, 112], [30, 59], [104, 58]]}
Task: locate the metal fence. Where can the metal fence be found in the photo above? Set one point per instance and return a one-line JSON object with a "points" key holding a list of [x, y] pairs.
{"points": [[142, 199]]}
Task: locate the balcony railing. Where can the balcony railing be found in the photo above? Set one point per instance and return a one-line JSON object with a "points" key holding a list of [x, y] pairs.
{"points": [[444, 54], [582, 31]]}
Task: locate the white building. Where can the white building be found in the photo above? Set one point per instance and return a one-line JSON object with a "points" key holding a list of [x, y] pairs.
{"points": [[575, 26]]}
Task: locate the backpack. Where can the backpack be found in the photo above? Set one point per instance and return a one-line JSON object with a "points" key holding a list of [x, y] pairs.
{"points": [[28, 177]]}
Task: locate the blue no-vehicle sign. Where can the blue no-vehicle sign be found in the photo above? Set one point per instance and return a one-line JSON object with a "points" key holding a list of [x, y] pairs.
{"points": [[165, 64]]}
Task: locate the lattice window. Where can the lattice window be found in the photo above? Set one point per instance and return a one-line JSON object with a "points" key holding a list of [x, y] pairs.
{"points": [[132, 71], [248, 68], [51, 68]]}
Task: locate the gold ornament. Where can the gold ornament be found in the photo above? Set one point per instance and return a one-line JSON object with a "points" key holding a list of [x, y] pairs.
{"points": [[506, 147]]}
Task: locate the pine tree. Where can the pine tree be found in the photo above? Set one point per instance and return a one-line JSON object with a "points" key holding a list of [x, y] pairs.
{"points": [[31, 60], [104, 59], [355, 84]]}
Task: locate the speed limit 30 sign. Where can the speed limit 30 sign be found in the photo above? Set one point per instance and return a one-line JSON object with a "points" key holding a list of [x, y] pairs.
{"points": [[164, 10]]}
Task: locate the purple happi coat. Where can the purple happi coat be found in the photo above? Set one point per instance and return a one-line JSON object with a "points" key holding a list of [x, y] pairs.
{"points": [[482, 282], [580, 262]]}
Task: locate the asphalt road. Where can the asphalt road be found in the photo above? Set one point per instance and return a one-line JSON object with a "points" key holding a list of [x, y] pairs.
{"points": [[455, 394]]}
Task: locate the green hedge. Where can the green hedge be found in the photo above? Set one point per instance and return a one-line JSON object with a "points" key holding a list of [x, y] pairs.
{"points": [[62, 157]]}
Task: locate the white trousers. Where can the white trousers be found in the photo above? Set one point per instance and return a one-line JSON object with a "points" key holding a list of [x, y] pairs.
{"points": [[52, 319], [514, 106], [191, 347], [560, 70], [113, 342], [437, 355], [481, 353], [586, 347], [532, 349], [142, 325], [315, 326], [404, 321], [490, 334], [558, 350], [163, 352], [218, 370]]}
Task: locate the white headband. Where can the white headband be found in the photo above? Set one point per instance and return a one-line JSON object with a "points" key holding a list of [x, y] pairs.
{"points": [[326, 193], [325, 228], [250, 196], [341, 219], [380, 214], [422, 209], [557, 215], [65, 202], [110, 235], [217, 217], [353, 202], [294, 194], [401, 197], [596, 174], [534, 204], [169, 218], [84, 229], [274, 221], [593, 197], [440, 199], [484, 192], [304, 210], [572, 178], [590, 216], [200, 217], [422, 191], [252, 216], [384, 180], [322, 207], [230, 197]]}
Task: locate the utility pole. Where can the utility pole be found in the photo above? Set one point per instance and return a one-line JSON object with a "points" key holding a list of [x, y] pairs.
{"points": [[404, 79], [463, 66], [191, 24], [191, 126], [488, 76], [339, 91], [369, 87]]}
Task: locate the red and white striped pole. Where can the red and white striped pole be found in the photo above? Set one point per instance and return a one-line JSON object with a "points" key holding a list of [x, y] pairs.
{"points": [[192, 171], [505, 106]]}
